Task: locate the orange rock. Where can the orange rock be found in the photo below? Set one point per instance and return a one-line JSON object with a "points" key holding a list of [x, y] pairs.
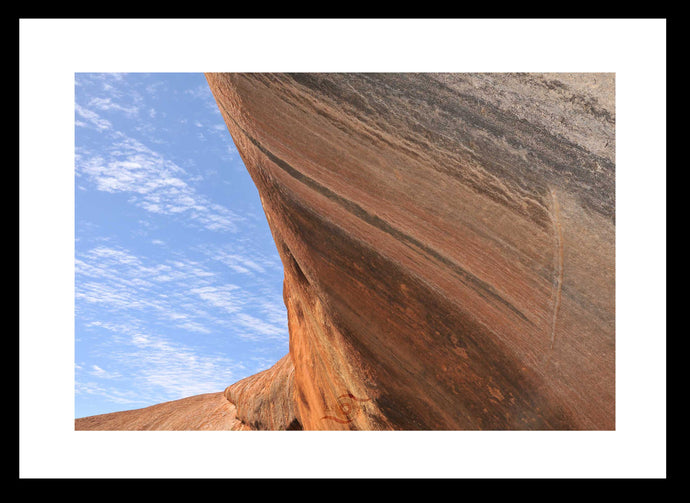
{"points": [[454, 221], [210, 411], [265, 401]]}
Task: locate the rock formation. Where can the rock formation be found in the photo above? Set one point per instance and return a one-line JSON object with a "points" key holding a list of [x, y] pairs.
{"points": [[210, 411], [448, 242]]}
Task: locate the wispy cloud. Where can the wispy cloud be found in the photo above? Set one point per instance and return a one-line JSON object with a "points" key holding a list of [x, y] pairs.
{"points": [[107, 104], [256, 326], [153, 183], [242, 259], [241, 264], [185, 294], [225, 297], [204, 95], [112, 393], [127, 164], [103, 374], [161, 368], [93, 120]]}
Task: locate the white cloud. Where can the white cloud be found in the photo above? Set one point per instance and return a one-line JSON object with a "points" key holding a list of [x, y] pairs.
{"points": [[175, 370], [159, 368], [201, 92], [107, 104], [241, 258], [154, 183], [256, 326], [192, 326], [243, 263], [225, 297], [112, 394], [156, 88], [93, 120], [97, 371], [183, 294], [192, 299], [274, 312]]}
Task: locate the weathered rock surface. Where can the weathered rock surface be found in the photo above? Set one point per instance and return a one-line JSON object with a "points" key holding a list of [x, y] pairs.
{"points": [[448, 243], [265, 401], [210, 411]]}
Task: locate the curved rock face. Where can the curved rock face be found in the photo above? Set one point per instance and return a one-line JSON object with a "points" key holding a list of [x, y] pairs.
{"points": [[448, 244]]}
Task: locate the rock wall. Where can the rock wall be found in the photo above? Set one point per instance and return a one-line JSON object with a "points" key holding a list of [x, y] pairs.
{"points": [[448, 244]]}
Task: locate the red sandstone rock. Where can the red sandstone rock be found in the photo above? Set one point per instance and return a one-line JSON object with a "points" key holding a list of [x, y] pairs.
{"points": [[265, 401], [201, 412], [448, 243]]}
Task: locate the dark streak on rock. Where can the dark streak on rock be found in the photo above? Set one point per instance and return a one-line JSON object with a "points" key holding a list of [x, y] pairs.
{"points": [[481, 287], [448, 118], [459, 391]]}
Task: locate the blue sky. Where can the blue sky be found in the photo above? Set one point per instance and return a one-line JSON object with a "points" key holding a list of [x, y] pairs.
{"points": [[178, 284]]}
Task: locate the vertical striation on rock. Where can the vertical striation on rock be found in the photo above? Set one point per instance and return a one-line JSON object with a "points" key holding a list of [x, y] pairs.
{"points": [[448, 245]]}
